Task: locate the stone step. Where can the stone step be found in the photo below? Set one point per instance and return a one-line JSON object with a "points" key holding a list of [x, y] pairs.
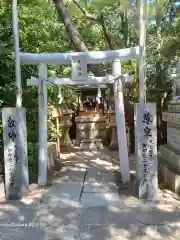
{"points": [[102, 199], [172, 108], [91, 125], [171, 157], [168, 176], [91, 133], [95, 144], [171, 117], [91, 146], [173, 136], [175, 101], [90, 119]]}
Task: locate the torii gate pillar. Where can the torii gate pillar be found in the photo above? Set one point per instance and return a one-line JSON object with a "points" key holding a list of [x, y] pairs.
{"points": [[42, 117], [120, 122]]}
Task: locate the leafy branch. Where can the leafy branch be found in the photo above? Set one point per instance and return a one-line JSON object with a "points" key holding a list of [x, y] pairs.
{"points": [[99, 19]]}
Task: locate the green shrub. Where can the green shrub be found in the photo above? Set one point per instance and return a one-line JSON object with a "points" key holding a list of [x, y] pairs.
{"points": [[32, 162]]}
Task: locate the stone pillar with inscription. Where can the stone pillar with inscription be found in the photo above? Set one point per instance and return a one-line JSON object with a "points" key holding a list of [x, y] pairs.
{"points": [[169, 157], [15, 152], [146, 150]]}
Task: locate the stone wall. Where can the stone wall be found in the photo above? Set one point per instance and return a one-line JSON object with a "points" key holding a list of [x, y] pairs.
{"points": [[169, 157]]}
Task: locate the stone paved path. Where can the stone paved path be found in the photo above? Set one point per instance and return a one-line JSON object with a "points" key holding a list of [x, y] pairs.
{"points": [[85, 203]]}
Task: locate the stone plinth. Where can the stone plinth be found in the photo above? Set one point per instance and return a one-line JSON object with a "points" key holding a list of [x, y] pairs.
{"points": [[169, 168], [91, 144], [90, 127]]}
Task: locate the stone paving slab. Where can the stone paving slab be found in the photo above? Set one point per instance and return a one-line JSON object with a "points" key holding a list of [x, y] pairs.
{"points": [[94, 171], [101, 199], [99, 187], [42, 222], [70, 175], [99, 181], [51, 232], [65, 194], [109, 233], [162, 204], [99, 176], [100, 164], [71, 188], [95, 232], [62, 233], [16, 214], [62, 200], [21, 233], [102, 177], [156, 217], [96, 215], [70, 169], [80, 164]]}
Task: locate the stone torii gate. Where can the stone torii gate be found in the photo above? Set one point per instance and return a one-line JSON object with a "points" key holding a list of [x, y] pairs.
{"points": [[80, 77], [146, 161], [79, 61]]}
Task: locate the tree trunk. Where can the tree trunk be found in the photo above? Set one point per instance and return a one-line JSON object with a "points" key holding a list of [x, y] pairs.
{"points": [[74, 35], [124, 30]]}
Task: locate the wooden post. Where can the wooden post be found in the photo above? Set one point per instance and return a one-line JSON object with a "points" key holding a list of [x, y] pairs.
{"points": [[120, 121]]}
